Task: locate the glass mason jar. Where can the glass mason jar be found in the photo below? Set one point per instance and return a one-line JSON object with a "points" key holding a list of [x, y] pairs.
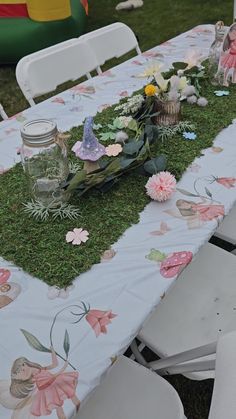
{"points": [[169, 112], [216, 77], [44, 161]]}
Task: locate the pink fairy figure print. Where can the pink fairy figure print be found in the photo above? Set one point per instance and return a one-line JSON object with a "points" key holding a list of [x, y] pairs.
{"points": [[227, 62], [196, 213], [34, 391]]}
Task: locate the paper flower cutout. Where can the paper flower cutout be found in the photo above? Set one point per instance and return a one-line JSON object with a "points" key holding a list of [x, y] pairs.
{"points": [[77, 236], [113, 150], [160, 187], [108, 255], [221, 92], [99, 320], [56, 292], [189, 135]]}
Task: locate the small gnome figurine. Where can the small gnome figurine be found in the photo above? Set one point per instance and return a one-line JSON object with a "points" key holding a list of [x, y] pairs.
{"points": [[89, 149]]}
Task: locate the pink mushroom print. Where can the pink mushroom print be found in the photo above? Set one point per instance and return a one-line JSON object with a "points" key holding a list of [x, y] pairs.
{"points": [[170, 265]]}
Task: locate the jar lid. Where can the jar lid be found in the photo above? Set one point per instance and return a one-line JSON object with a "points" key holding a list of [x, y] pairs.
{"points": [[39, 132]]}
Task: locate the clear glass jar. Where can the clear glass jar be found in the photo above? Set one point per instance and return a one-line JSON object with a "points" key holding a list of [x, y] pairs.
{"points": [[215, 52], [44, 161]]}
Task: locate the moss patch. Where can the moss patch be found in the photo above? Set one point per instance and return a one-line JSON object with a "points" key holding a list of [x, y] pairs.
{"points": [[40, 247]]}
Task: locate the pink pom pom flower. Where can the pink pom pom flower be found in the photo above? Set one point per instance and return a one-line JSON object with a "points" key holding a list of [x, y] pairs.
{"points": [[160, 187]]}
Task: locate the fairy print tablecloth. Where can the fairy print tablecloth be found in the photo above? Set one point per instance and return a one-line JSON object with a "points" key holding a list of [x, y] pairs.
{"points": [[56, 344]]}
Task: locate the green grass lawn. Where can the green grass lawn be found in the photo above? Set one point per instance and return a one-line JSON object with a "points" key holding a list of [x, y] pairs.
{"points": [[155, 22]]}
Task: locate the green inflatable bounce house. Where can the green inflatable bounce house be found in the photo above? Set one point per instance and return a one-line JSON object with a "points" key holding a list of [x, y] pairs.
{"points": [[27, 26]]}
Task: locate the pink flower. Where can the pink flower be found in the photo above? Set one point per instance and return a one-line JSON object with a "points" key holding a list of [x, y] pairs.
{"points": [[208, 212], [113, 150], [175, 263], [4, 275], [99, 319], [227, 182], [108, 254], [160, 187], [77, 236]]}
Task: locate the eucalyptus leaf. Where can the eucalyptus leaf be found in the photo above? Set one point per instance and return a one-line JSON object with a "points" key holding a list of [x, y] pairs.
{"points": [[132, 147], [76, 180], [155, 165], [132, 125], [66, 343], [34, 342], [125, 162], [179, 65]]}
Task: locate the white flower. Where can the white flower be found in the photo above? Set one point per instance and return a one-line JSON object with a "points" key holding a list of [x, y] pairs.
{"points": [[121, 137], [161, 82], [150, 71], [192, 99], [188, 91], [202, 101], [132, 105], [125, 120], [193, 58]]}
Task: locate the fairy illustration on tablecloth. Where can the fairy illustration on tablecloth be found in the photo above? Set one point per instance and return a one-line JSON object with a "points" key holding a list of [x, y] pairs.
{"points": [[36, 390], [205, 209], [227, 63]]}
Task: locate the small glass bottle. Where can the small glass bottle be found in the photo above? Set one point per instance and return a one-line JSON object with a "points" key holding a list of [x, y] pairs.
{"points": [[44, 162], [215, 52]]}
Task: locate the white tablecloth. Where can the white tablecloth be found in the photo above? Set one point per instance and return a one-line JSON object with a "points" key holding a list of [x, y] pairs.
{"points": [[126, 287]]}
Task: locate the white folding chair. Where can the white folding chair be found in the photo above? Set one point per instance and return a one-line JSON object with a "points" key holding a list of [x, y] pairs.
{"points": [[2, 112], [111, 41], [130, 391], [227, 229], [42, 71], [200, 306]]}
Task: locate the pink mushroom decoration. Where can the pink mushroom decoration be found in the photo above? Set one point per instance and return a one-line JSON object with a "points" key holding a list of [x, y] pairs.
{"points": [[175, 263]]}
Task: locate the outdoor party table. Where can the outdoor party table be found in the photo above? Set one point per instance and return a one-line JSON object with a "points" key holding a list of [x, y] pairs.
{"points": [[114, 298]]}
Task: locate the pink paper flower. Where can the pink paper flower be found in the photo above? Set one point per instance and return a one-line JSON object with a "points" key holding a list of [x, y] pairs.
{"points": [[4, 275], [99, 320], [108, 255], [160, 187], [175, 263], [77, 236], [227, 182], [113, 150]]}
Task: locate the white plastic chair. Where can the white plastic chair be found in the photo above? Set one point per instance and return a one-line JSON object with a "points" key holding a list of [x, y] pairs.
{"points": [[42, 71], [130, 391], [111, 41], [200, 306], [2, 112], [227, 229]]}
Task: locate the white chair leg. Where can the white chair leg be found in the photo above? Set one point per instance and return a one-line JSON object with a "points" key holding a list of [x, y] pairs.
{"points": [[3, 113]]}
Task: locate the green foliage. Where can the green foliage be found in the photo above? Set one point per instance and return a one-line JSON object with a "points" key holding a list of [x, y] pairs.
{"points": [[41, 249]]}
